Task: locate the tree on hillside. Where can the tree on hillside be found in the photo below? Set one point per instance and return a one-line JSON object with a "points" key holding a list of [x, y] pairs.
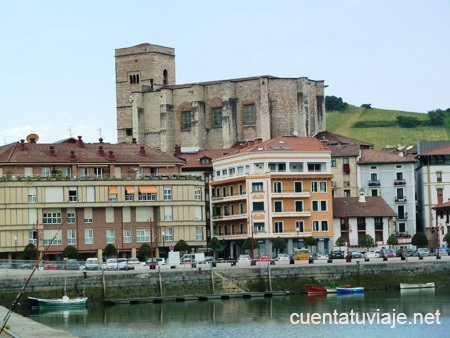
{"points": [[419, 239], [392, 240], [341, 242], [182, 246], [279, 244], [436, 117], [70, 252], [333, 103], [408, 121], [366, 106]]}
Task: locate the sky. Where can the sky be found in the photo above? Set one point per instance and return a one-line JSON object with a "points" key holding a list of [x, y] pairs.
{"points": [[57, 62]]}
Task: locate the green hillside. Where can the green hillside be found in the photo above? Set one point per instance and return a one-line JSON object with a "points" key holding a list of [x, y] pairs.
{"points": [[379, 126]]}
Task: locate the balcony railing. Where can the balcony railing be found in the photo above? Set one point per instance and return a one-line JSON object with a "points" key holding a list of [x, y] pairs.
{"points": [[400, 200], [399, 182], [374, 183]]}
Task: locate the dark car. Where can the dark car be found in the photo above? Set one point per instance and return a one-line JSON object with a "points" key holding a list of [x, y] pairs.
{"points": [[337, 255], [387, 253], [72, 264]]}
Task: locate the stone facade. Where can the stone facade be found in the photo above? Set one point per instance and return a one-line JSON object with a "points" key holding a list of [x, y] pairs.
{"points": [[215, 114]]}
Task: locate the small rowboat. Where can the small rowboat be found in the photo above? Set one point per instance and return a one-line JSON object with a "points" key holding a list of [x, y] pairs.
{"points": [[317, 289], [348, 291], [58, 303], [416, 285]]}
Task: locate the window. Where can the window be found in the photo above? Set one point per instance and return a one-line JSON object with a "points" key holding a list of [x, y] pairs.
{"points": [[217, 117], [259, 226], [249, 114], [169, 234], [324, 225], [51, 218], [199, 234], [438, 176], [143, 235], [323, 205], [46, 172], [88, 218], [32, 192], [241, 228], [71, 237], [240, 170], [374, 192], [110, 236], [167, 194], [315, 205], [197, 194], [400, 195], [198, 213], [98, 172], [257, 186], [300, 226], [347, 193], [52, 237], [186, 120], [241, 208], [323, 186], [346, 165], [127, 235], [70, 218], [129, 194], [257, 206], [231, 191], [374, 177], [298, 186], [165, 77], [314, 186], [298, 206], [231, 171], [314, 167], [88, 236], [278, 227], [73, 194], [168, 214], [277, 167], [205, 160], [278, 206], [277, 187], [333, 162], [134, 78], [315, 226], [224, 192], [241, 192]]}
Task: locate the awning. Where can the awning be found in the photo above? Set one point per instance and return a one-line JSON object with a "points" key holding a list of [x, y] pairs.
{"points": [[130, 189], [112, 190], [219, 249], [148, 189]]}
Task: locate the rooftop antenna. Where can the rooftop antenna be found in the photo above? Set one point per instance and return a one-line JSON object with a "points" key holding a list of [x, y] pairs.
{"points": [[70, 131], [99, 132]]}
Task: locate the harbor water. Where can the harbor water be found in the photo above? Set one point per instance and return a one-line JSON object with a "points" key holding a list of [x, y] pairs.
{"points": [[414, 313]]}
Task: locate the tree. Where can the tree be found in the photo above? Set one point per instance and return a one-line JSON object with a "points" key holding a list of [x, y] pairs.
{"points": [[29, 252], [70, 252], [182, 246], [214, 244], [333, 103], [366, 106], [366, 241], [341, 242], [436, 117], [447, 238], [279, 244], [408, 121], [419, 239], [110, 250], [145, 251], [247, 245], [392, 240], [310, 241]]}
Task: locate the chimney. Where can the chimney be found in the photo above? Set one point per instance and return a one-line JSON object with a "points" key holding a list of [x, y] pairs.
{"points": [[258, 140], [100, 139], [142, 151], [362, 196], [111, 156], [52, 151], [72, 156], [133, 140], [80, 142], [100, 151], [177, 151], [22, 145]]}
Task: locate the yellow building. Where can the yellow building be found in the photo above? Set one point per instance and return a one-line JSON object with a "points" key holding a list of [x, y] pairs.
{"points": [[90, 195], [277, 188]]}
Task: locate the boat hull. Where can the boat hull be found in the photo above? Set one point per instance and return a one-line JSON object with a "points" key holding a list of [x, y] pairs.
{"points": [[416, 285], [58, 303], [348, 291]]}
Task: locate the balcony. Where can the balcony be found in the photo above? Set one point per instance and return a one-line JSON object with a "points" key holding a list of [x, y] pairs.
{"points": [[400, 200], [399, 182], [401, 217], [374, 183], [402, 234]]}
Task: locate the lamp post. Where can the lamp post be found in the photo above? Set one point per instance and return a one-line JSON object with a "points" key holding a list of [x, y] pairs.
{"points": [[117, 256], [151, 238], [298, 230], [163, 234], [15, 243], [347, 227], [437, 238]]}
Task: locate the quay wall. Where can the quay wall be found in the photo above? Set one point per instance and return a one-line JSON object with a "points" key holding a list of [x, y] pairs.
{"points": [[224, 278]]}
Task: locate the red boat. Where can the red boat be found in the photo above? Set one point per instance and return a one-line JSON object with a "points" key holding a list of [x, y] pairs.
{"points": [[317, 289]]}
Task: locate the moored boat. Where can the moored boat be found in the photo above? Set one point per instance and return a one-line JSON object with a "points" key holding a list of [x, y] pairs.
{"points": [[416, 285], [350, 290], [318, 289], [58, 303]]}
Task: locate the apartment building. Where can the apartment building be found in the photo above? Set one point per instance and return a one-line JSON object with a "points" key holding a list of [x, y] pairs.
{"points": [[92, 194], [269, 189]]}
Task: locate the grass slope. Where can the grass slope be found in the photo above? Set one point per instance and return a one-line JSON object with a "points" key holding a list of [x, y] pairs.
{"points": [[379, 126]]}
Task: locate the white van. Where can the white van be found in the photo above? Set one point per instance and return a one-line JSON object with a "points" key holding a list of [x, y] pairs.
{"points": [[91, 264]]}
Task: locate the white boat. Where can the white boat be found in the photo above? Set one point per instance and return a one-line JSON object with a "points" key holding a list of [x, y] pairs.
{"points": [[58, 303], [416, 285]]}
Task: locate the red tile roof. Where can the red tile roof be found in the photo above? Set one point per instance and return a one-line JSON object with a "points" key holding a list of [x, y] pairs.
{"points": [[193, 159], [438, 151], [378, 156], [375, 206]]}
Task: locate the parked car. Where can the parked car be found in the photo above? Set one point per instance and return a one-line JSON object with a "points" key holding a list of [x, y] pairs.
{"points": [[133, 262], [187, 259], [372, 254], [423, 252], [244, 258], [263, 258], [50, 266], [319, 256], [354, 254], [72, 264], [117, 264], [442, 252], [302, 254], [156, 261], [387, 253], [446, 249], [337, 254], [208, 260], [91, 264], [282, 257]]}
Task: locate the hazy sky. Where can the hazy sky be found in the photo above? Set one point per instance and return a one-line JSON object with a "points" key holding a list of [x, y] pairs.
{"points": [[57, 57]]}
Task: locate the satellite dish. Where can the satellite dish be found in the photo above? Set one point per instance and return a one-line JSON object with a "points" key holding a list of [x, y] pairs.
{"points": [[409, 147], [32, 138]]}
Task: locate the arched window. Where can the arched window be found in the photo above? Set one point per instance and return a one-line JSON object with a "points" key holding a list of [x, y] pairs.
{"points": [[165, 77]]}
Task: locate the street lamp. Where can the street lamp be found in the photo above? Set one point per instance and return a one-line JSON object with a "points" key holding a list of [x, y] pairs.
{"points": [[15, 242], [163, 234], [298, 230], [437, 238], [117, 257]]}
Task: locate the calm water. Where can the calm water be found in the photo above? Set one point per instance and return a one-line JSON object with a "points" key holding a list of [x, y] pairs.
{"points": [[262, 317]]}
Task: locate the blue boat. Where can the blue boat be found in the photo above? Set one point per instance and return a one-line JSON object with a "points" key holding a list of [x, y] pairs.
{"points": [[349, 291]]}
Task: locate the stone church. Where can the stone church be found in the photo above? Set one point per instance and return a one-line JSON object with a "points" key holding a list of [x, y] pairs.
{"points": [[156, 111]]}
